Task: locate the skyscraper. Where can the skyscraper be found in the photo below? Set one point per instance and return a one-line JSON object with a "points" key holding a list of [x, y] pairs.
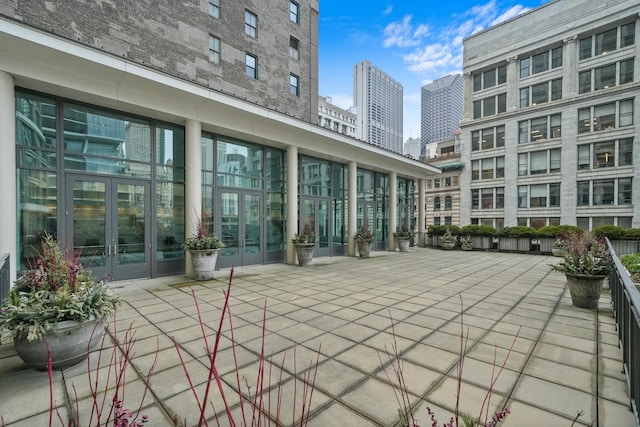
{"points": [[378, 100], [442, 106]]}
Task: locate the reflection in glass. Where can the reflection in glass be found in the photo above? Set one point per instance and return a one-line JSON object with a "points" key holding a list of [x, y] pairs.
{"points": [[89, 222], [131, 227], [170, 224], [230, 216], [275, 222], [252, 232]]}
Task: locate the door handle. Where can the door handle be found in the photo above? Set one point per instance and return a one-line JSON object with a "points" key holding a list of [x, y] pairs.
{"points": [[108, 250], [115, 250]]}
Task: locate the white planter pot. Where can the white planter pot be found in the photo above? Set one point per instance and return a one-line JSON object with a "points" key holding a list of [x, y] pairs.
{"points": [[204, 263]]}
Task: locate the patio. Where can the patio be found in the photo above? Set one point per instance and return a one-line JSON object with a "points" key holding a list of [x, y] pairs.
{"points": [[564, 359]]}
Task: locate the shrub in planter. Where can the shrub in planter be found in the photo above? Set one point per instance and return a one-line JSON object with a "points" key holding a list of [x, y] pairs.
{"points": [[613, 232]]}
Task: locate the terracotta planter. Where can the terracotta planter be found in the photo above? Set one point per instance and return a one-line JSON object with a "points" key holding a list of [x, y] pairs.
{"points": [[364, 248], [305, 253], [69, 343], [204, 263], [585, 290]]}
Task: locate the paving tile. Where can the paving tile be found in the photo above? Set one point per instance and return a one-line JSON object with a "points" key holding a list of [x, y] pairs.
{"points": [[346, 416], [567, 356], [431, 357], [471, 396], [376, 399], [561, 373]]}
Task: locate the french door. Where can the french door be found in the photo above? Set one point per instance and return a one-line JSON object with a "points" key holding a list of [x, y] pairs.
{"points": [[108, 225], [315, 213], [240, 219]]}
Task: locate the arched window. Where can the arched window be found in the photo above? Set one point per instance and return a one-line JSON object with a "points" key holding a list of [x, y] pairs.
{"points": [[447, 203], [436, 203]]}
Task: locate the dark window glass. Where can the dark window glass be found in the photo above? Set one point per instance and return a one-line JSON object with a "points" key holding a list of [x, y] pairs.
{"points": [[627, 34], [584, 82], [585, 48], [606, 42], [556, 57]]}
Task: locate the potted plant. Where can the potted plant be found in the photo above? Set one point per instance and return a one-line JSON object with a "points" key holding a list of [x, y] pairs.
{"points": [[56, 307], [364, 239], [586, 262], [403, 237], [203, 248], [448, 240], [305, 242], [466, 243], [558, 247]]}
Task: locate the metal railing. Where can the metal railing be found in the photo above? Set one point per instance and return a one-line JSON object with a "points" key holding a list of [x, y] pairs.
{"points": [[626, 303]]}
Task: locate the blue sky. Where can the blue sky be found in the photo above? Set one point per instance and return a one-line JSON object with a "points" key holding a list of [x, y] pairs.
{"points": [[415, 42]]}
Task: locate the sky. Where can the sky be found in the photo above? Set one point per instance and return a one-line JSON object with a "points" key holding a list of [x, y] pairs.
{"points": [[413, 41]]}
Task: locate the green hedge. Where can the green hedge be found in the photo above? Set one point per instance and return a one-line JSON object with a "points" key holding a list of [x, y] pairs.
{"points": [[478, 230], [558, 230]]}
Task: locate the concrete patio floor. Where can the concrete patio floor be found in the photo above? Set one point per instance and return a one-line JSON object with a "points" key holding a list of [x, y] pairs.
{"points": [[564, 360]]}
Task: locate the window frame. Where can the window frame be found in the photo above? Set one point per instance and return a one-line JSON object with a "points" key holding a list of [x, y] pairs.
{"points": [[214, 8], [215, 56], [294, 85], [294, 16], [250, 24], [247, 66]]}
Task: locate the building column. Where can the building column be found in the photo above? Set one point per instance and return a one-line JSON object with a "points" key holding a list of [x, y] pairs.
{"points": [[393, 209], [513, 94], [193, 181], [467, 109], [421, 211], [570, 68], [352, 207], [8, 194], [292, 202]]}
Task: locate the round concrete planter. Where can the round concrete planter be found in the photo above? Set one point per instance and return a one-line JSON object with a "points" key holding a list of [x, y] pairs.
{"points": [[403, 245], [364, 248], [585, 290], [69, 344], [305, 253], [204, 263], [447, 245]]}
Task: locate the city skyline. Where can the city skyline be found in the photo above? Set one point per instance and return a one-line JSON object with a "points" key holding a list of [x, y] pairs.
{"points": [[414, 45]]}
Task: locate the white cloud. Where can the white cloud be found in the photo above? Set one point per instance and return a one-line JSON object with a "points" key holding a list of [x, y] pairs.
{"points": [[403, 34], [444, 55], [388, 10]]}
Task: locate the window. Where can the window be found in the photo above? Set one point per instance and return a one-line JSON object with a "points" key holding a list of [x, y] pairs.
{"points": [[250, 24], [477, 109], [556, 126], [502, 103], [556, 89], [604, 117], [626, 112], [540, 62], [294, 85], [486, 195], [584, 82], [523, 164], [214, 49], [475, 140], [538, 162], [294, 10], [541, 128], [294, 48], [585, 48], [489, 78], [583, 193], [584, 120], [554, 160], [475, 170], [538, 196], [624, 191], [523, 132], [436, 203], [436, 220], [500, 136], [500, 198], [499, 167], [487, 168], [214, 8], [606, 42], [540, 93], [584, 157], [556, 57], [625, 152], [538, 129], [522, 196], [603, 192], [524, 97], [604, 77], [487, 139], [502, 74], [554, 195], [475, 199], [251, 66], [525, 67], [447, 203], [488, 106], [604, 154], [626, 71], [627, 34], [477, 82]]}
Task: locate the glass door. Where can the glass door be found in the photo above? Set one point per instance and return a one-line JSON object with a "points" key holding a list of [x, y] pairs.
{"points": [[241, 225], [108, 226], [315, 213]]}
